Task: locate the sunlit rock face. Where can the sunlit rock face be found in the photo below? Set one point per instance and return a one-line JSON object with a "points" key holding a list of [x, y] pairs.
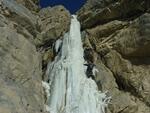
{"points": [[20, 63], [96, 12], [70, 90], [30, 4], [55, 22]]}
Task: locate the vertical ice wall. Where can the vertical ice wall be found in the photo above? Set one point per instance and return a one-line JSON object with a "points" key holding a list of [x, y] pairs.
{"points": [[70, 90]]}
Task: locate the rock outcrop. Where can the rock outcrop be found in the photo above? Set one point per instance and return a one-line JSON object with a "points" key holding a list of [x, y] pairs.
{"points": [[21, 52], [99, 12], [118, 32], [133, 41], [122, 102], [30, 4], [54, 23]]}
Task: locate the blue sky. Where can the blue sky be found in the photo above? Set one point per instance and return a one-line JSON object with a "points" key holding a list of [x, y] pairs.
{"points": [[71, 5]]}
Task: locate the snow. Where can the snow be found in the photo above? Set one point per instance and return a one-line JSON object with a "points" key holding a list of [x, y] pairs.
{"points": [[46, 87], [70, 90], [94, 71]]}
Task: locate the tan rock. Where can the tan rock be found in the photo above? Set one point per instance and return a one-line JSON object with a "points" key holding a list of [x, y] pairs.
{"points": [[98, 12], [55, 22], [134, 41], [20, 73], [32, 5], [101, 36], [129, 77], [20, 15], [122, 102]]}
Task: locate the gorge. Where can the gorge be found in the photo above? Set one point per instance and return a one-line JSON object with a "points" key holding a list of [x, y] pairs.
{"points": [[36, 77]]}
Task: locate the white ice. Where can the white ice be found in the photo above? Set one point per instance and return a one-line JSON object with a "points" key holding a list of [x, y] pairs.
{"points": [[58, 45], [70, 90], [94, 71], [46, 88]]}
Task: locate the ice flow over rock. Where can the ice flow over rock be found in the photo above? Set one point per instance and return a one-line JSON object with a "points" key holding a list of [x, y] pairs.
{"points": [[70, 90]]}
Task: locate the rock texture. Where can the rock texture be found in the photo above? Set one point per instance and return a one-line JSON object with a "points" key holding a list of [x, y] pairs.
{"points": [[96, 12], [118, 32], [20, 73], [26, 39], [20, 15], [122, 102], [136, 41], [116, 38], [54, 23], [30, 4], [21, 90]]}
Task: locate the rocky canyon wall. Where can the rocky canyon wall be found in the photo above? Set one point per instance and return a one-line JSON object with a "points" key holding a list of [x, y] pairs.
{"points": [[118, 33], [25, 35], [116, 38]]}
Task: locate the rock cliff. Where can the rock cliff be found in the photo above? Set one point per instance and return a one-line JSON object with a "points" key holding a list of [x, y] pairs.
{"points": [[115, 37], [24, 37], [118, 33]]}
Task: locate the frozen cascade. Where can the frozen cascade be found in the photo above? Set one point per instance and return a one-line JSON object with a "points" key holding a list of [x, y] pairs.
{"points": [[70, 90]]}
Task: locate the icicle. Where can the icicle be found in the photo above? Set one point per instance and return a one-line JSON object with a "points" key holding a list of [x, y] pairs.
{"points": [[58, 45]]}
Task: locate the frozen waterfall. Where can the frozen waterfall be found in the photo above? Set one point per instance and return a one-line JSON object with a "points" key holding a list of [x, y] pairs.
{"points": [[70, 90]]}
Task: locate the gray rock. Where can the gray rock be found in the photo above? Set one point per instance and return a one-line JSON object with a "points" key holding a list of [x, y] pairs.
{"points": [[20, 73]]}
